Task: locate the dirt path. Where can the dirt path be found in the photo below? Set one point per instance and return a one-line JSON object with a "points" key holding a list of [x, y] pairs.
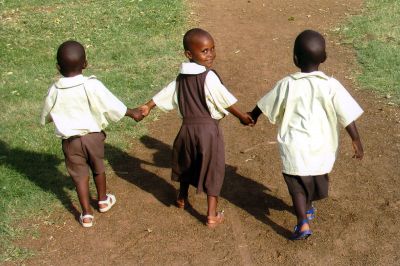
{"points": [[358, 224]]}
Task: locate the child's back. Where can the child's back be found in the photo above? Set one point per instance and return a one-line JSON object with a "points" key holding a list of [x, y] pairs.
{"points": [[79, 105], [309, 107]]}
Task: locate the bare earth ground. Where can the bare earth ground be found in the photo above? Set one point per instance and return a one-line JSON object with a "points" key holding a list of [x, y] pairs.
{"points": [[358, 224]]}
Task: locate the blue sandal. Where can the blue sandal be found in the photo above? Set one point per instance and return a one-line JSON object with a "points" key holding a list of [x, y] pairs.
{"points": [[311, 213], [300, 235]]}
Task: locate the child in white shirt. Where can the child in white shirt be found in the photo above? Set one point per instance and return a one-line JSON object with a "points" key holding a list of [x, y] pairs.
{"points": [[309, 108], [198, 152], [80, 106]]}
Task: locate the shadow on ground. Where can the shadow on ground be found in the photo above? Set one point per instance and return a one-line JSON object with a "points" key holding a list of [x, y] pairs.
{"points": [[40, 169], [239, 190]]}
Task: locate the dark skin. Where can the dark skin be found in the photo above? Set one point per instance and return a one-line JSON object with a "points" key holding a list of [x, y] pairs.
{"points": [[71, 61], [308, 53], [200, 48]]}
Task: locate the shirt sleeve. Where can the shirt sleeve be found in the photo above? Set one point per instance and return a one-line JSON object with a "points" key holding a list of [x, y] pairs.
{"points": [[48, 105], [219, 94], [273, 103], [166, 98], [347, 109], [105, 102]]}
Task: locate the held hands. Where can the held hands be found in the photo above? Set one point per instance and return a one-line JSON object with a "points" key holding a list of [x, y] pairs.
{"points": [[144, 110], [247, 120], [134, 114], [140, 112]]}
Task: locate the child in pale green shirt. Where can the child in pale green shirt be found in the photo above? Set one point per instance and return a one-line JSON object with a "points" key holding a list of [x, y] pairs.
{"points": [[309, 108]]}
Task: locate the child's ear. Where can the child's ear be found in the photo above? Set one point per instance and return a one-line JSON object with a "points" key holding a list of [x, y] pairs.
{"points": [[295, 60], [188, 55], [85, 64], [324, 57]]}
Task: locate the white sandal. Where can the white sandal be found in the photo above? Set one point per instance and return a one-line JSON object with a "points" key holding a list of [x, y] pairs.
{"points": [[110, 201], [86, 216]]}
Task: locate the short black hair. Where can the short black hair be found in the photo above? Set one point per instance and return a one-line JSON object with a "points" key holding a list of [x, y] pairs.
{"points": [[309, 48], [191, 34], [71, 56]]}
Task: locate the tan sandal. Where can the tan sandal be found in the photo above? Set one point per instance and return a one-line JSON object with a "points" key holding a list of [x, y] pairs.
{"points": [[214, 221]]}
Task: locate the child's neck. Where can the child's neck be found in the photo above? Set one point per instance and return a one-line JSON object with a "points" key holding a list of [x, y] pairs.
{"points": [[71, 74], [309, 69]]}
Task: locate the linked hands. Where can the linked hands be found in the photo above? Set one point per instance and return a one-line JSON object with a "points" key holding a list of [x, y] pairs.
{"points": [[140, 112], [135, 114]]}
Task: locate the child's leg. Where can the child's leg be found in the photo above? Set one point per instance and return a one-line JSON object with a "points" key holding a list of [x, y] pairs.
{"points": [[101, 184], [182, 200], [212, 202], [214, 218], [183, 190], [300, 206], [82, 189]]}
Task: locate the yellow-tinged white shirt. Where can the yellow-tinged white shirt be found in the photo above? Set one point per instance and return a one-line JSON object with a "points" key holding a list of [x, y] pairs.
{"points": [[80, 105], [218, 98], [309, 108]]}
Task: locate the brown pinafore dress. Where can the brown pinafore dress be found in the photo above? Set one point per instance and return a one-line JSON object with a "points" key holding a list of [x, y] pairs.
{"points": [[198, 156]]}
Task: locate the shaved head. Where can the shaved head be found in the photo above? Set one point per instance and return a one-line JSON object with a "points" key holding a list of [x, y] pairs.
{"points": [[194, 35], [71, 57], [309, 48]]}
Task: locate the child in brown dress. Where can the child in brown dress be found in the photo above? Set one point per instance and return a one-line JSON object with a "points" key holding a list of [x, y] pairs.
{"points": [[198, 150]]}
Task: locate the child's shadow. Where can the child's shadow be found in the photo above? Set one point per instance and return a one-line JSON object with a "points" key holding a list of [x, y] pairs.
{"points": [[40, 169], [130, 168], [257, 202], [254, 198]]}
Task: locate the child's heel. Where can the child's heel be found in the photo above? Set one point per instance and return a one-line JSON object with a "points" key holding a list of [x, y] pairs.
{"points": [[214, 221]]}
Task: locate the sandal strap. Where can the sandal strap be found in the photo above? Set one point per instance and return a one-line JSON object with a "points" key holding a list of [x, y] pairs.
{"points": [[300, 224], [215, 219], [86, 216], [106, 201]]}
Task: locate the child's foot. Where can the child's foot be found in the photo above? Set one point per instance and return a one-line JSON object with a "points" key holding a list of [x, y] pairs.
{"points": [[86, 220], [182, 203], [301, 231], [214, 221], [311, 213], [105, 205]]}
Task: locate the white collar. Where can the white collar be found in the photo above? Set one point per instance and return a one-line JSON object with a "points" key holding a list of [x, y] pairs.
{"points": [[69, 82], [191, 68], [318, 74]]}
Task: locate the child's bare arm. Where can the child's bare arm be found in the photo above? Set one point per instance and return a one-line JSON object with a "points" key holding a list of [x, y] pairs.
{"points": [[255, 114], [356, 141], [135, 114], [146, 108], [244, 118]]}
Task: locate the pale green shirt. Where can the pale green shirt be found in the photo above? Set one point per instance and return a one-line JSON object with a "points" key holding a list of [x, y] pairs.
{"points": [[309, 108], [218, 98], [80, 105]]}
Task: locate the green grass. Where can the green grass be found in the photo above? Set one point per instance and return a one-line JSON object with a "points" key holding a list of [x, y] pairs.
{"points": [[133, 47], [375, 34]]}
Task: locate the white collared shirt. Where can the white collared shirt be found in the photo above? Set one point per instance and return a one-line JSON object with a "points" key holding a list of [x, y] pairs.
{"points": [[218, 98], [309, 107], [80, 105]]}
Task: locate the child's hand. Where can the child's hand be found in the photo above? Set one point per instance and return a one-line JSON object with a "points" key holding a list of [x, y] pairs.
{"points": [[134, 114], [254, 118], [356, 141], [358, 149], [137, 115], [247, 120]]}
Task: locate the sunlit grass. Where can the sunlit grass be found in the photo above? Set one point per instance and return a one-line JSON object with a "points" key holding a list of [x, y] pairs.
{"points": [[375, 34], [133, 47]]}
